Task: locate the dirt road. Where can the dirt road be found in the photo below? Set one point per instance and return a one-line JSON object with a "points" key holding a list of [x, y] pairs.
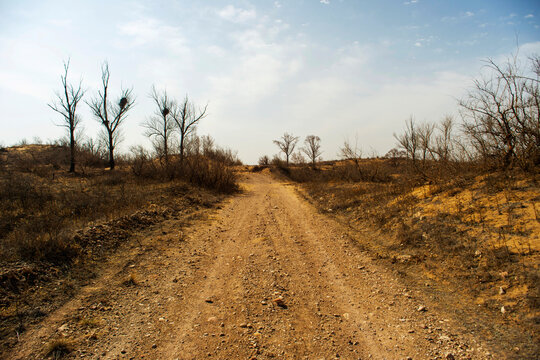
{"points": [[265, 276]]}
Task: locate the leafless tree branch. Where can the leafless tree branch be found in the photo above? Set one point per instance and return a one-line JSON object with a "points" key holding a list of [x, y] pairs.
{"points": [[65, 104]]}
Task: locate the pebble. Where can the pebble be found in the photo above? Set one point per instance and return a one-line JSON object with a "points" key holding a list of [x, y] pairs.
{"points": [[279, 302]]}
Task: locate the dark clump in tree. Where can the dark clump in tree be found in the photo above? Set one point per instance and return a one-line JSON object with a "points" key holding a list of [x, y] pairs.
{"points": [[111, 115], [161, 126]]}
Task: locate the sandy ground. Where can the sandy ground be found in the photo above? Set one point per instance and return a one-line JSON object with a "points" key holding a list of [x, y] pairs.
{"points": [[265, 276]]}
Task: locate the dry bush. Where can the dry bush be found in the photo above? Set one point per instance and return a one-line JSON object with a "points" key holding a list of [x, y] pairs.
{"points": [[34, 213], [142, 164], [221, 155], [264, 160], [208, 173], [45, 243], [39, 210], [258, 168], [58, 349], [91, 155], [365, 170]]}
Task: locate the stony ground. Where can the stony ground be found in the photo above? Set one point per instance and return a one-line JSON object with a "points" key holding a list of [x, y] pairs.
{"points": [[265, 276]]}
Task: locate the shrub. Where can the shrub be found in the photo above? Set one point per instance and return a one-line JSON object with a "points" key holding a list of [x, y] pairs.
{"points": [[209, 173]]}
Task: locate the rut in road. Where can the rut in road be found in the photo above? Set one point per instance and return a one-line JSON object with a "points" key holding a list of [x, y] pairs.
{"points": [[267, 277]]}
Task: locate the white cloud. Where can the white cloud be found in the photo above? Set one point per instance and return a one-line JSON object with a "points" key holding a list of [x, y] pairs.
{"points": [[529, 49], [468, 14], [529, 16], [352, 56], [277, 4], [325, 2], [424, 41], [236, 15], [263, 62], [151, 32]]}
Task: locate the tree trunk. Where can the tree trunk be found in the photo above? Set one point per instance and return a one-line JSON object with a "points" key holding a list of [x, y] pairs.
{"points": [[111, 152], [165, 142], [72, 150], [181, 150], [166, 152]]}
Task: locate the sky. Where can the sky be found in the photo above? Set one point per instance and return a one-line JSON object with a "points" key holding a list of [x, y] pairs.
{"points": [[339, 69]]}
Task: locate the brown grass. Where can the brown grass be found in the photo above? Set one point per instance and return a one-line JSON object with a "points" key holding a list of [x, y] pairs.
{"points": [[42, 204], [460, 229], [55, 226], [58, 349]]}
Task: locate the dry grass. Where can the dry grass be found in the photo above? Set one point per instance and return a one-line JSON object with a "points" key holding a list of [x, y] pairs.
{"points": [[58, 349], [472, 233], [42, 204], [55, 226]]}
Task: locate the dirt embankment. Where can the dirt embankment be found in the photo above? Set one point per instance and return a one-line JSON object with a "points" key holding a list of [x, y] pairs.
{"points": [[264, 277]]}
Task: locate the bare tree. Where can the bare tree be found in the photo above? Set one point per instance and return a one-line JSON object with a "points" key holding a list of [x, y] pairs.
{"points": [[286, 144], [111, 115], [312, 148], [186, 117], [161, 126], [444, 142], [425, 137], [502, 113], [409, 140], [351, 152], [66, 105]]}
